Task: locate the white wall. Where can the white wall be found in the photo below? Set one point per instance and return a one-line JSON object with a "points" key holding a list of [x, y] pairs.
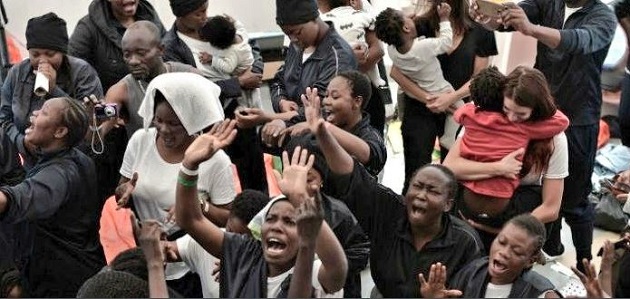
{"points": [[257, 15]]}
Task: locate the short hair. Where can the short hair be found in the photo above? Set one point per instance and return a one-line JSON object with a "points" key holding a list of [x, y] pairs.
{"points": [[451, 183], [533, 227], [131, 261], [389, 26], [114, 284], [486, 89], [528, 88], [360, 85], [248, 203], [219, 31], [75, 118], [153, 30], [10, 277]]}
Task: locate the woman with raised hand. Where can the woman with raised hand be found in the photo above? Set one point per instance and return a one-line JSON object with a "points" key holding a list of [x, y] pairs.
{"points": [[252, 268], [179, 106], [407, 233]]}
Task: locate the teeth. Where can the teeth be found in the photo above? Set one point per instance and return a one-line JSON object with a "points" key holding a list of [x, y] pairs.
{"points": [[273, 240]]}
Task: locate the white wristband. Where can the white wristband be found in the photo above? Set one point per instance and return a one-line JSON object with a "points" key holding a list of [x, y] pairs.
{"points": [[189, 172]]}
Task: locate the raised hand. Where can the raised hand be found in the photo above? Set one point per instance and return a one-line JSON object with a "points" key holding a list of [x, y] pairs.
{"points": [[310, 216], [123, 192], [205, 146], [312, 109], [444, 11], [292, 183], [589, 280], [435, 287], [149, 233]]}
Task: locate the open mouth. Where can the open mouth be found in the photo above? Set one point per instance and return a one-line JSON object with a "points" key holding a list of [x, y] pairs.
{"points": [[498, 267], [28, 130], [417, 210], [275, 246]]}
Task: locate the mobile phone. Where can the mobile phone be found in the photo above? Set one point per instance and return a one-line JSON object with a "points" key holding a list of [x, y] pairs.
{"points": [[623, 243]]}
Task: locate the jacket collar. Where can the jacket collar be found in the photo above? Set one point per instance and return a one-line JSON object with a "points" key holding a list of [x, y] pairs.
{"points": [[444, 239], [101, 15], [323, 48]]}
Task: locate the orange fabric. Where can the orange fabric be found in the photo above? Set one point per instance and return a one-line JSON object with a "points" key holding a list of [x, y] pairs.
{"points": [[15, 55], [116, 233], [237, 181], [272, 183], [604, 134]]}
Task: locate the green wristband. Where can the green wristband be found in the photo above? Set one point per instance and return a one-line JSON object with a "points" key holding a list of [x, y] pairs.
{"points": [[186, 183]]}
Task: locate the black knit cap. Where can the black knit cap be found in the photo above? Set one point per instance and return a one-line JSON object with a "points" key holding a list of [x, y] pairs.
{"points": [[47, 32], [181, 8], [294, 12]]}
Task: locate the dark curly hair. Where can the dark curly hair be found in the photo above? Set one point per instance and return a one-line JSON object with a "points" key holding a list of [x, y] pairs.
{"points": [[248, 203], [486, 89], [452, 180], [131, 261], [219, 31], [534, 229], [389, 25], [359, 84]]}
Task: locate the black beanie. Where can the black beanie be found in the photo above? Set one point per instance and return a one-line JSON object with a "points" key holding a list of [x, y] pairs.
{"points": [[294, 12], [47, 32], [181, 8], [114, 284]]}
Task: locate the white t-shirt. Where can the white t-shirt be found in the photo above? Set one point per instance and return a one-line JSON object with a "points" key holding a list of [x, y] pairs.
{"points": [[351, 24], [558, 166], [274, 284], [568, 11], [420, 63], [154, 194], [503, 291], [201, 262], [234, 60]]}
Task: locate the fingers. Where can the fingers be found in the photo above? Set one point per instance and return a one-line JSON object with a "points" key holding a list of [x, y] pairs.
{"points": [[517, 152], [422, 280], [453, 293], [135, 224], [134, 179], [579, 274]]}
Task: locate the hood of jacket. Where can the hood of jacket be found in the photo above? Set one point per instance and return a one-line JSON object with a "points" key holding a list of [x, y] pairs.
{"points": [[100, 13]]}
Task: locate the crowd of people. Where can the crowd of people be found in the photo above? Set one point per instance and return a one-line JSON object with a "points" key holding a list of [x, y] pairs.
{"points": [[166, 129]]}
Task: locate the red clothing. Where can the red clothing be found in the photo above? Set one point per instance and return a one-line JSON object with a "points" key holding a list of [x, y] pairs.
{"points": [[490, 136]]}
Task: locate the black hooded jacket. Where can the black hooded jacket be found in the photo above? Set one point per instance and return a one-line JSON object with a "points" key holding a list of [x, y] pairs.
{"points": [[96, 39]]}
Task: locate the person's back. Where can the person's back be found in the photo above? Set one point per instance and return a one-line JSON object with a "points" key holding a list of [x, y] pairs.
{"points": [[417, 57], [489, 135], [352, 24], [98, 35]]}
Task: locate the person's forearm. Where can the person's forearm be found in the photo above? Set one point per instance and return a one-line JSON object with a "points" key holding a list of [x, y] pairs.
{"points": [[218, 214], [339, 161], [550, 37], [408, 86], [552, 190], [285, 116], [4, 203], [465, 169], [354, 145], [334, 262], [375, 51], [301, 280], [157, 280], [187, 206]]}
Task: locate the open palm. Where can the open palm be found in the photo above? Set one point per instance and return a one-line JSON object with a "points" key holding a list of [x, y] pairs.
{"points": [[312, 109], [292, 183], [206, 145]]}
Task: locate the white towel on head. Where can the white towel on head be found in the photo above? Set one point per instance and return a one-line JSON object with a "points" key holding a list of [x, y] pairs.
{"points": [[194, 99]]}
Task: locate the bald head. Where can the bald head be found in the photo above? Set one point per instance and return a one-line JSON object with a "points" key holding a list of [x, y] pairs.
{"points": [[143, 28], [142, 50]]}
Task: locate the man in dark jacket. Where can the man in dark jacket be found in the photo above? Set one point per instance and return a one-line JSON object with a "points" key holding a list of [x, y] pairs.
{"points": [[573, 40], [97, 39], [97, 36], [180, 44]]}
